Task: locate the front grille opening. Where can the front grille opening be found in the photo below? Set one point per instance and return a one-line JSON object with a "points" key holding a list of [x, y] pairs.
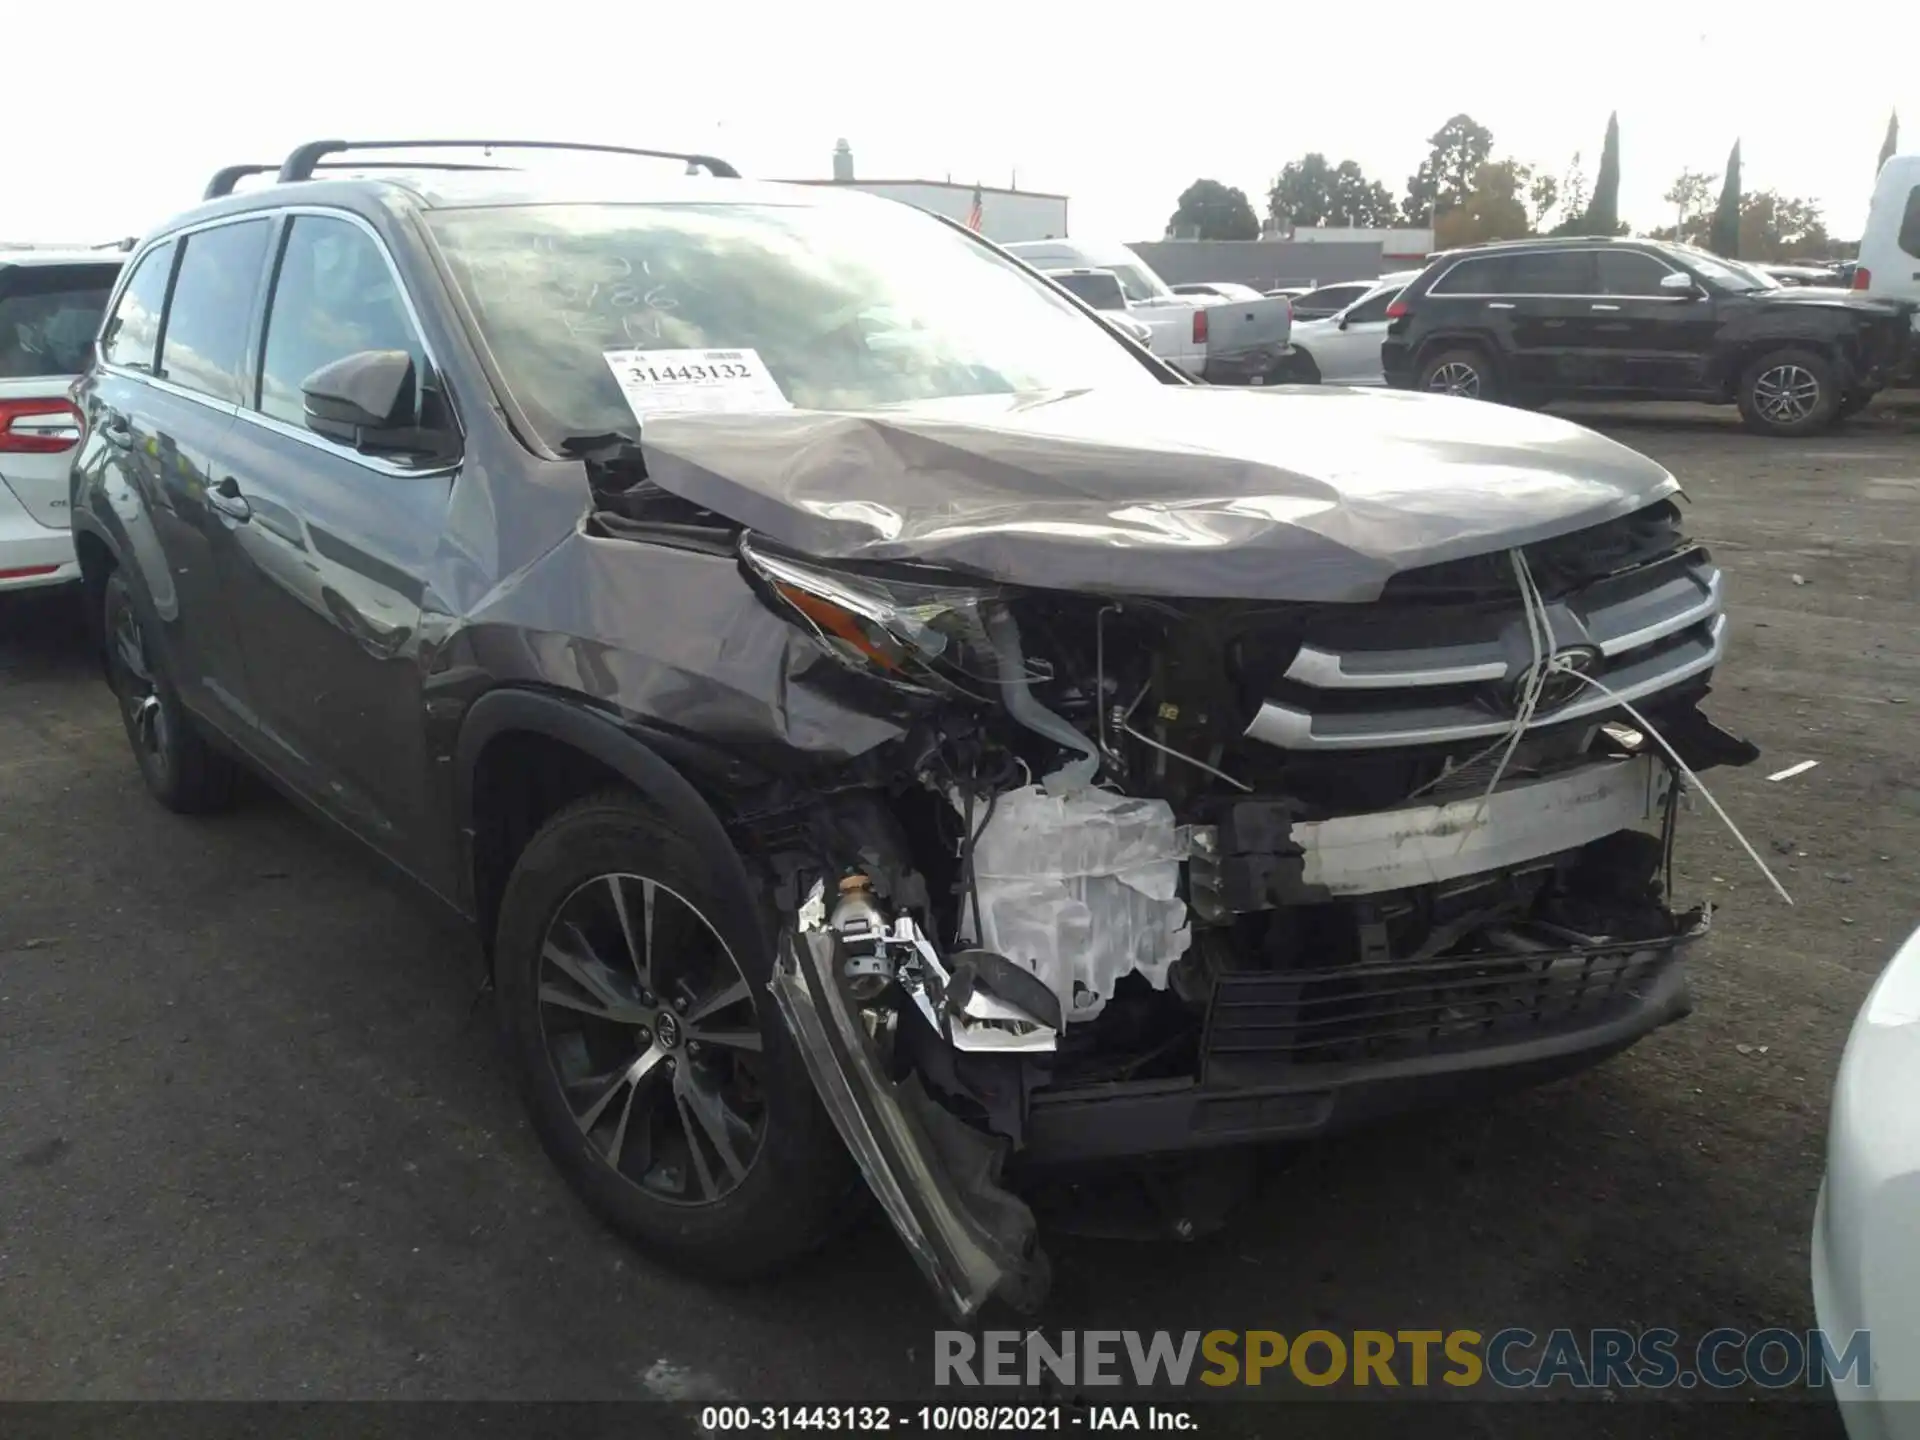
{"points": [[1499, 960], [1560, 565]]}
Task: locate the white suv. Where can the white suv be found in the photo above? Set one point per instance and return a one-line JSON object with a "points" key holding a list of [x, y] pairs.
{"points": [[50, 306]]}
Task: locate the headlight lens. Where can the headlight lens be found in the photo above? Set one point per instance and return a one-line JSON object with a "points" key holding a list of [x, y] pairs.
{"points": [[925, 637]]}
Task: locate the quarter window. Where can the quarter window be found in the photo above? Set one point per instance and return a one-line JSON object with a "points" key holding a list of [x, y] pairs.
{"points": [[1910, 224], [1627, 272], [334, 296], [206, 333], [133, 332]]}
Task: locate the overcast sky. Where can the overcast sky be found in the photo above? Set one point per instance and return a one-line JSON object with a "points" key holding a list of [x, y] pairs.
{"points": [[1120, 112]]}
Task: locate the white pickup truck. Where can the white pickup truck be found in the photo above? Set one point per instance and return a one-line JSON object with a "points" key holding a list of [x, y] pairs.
{"points": [[1224, 342]]}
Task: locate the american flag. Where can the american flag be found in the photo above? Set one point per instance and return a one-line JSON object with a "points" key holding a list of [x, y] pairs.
{"points": [[974, 210]]}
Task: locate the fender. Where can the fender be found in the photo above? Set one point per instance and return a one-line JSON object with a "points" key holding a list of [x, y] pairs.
{"points": [[594, 733]]}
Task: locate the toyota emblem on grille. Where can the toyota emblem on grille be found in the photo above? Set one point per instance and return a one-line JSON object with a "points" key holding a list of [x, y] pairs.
{"points": [[1560, 686]]}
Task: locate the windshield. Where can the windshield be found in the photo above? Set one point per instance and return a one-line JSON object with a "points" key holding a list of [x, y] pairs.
{"points": [[847, 307], [1726, 274]]}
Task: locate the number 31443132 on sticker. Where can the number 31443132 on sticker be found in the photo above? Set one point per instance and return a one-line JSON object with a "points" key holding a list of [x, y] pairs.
{"points": [[657, 382]]}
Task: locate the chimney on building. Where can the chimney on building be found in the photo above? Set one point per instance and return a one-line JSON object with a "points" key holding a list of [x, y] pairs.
{"points": [[842, 162]]}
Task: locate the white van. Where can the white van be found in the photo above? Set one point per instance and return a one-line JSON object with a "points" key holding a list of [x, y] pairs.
{"points": [[1889, 265]]}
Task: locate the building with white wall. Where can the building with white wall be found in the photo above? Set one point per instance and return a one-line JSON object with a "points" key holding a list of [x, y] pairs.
{"points": [[1006, 215]]}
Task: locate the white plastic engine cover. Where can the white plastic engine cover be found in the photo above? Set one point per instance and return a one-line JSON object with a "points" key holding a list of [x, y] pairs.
{"points": [[1082, 888]]}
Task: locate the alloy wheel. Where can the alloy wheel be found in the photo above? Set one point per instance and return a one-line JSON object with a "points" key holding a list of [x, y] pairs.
{"points": [[1786, 394], [146, 712], [653, 1036], [1456, 377]]}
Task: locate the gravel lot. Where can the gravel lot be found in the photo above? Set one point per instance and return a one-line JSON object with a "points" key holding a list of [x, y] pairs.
{"points": [[255, 1141]]}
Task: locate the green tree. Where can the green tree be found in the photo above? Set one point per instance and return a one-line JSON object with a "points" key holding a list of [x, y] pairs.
{"points": [[1543, 193], [1603, 210], [1209, 210], [1357, 201], [1690, 194], [1302, 193], [1892, 143], [1494, 209], [1723, 236], [1455, 153], [1573, 197], [1782, 227]]}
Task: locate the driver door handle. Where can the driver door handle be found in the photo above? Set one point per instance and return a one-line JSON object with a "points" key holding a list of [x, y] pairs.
{"points": [[1499, 304], [227, 499], [1606, 307]]}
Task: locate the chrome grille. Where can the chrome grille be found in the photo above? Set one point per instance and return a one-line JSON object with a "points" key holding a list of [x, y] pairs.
{"points": [[1652, 628]]}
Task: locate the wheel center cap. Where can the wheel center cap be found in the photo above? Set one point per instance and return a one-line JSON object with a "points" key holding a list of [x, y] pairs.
{"points": [[666, 1030]]}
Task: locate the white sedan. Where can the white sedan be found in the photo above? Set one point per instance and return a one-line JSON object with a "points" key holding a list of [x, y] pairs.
{"points": [[1866, 1226], [1344, 349]]}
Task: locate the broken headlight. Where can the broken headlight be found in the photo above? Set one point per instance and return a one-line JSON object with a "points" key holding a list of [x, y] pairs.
{"points": [[921, 635]]}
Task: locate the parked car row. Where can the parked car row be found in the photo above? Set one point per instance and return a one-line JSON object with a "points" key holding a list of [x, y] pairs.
{"points": [[1530, 322]]}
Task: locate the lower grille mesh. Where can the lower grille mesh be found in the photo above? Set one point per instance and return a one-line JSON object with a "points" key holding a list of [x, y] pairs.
{"points": [[1375, 1012]]}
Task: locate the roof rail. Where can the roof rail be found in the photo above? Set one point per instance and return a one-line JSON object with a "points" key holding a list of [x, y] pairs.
{"points": [[301, 164], [226, 178]]}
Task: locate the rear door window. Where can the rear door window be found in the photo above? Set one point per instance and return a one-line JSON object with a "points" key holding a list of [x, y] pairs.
{"points": [[133, 333], [205, 341], [334, 296], [49, 315], [1372, 310], [1483, 275], [1910, 224], [1551, 272]]}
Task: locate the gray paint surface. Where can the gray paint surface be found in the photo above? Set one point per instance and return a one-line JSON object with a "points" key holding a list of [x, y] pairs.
{"points": [[1263, 264], [1295, 493]]}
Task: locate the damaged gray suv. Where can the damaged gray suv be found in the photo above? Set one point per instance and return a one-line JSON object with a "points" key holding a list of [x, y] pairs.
{"points": [[870, 708]]}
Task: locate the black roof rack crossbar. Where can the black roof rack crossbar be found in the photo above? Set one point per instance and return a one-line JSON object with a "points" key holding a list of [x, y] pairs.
{"points": [[224, 180], [301, 164]]}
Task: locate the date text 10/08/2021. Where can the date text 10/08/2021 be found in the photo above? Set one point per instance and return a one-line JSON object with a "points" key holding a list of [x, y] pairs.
{"points": [[945, 1419]]}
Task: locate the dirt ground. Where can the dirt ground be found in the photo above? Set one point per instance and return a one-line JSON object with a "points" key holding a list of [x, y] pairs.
{"points": [[255, 1142]]}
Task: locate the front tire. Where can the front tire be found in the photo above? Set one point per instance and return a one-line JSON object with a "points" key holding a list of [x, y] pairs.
{"points": [[652, 1061], [1464, 372], [181, 770], [1788, 393]]}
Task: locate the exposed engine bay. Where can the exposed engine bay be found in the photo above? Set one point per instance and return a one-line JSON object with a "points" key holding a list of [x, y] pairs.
{"points": [[1146, 876]]}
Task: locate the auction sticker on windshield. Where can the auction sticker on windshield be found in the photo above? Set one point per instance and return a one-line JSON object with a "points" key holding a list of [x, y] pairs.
{"points": [[661, 382]]}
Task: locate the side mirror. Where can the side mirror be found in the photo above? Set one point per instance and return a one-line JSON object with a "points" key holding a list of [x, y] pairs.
{"points": [[1343, 320], [368, 400], [1676, 283]]}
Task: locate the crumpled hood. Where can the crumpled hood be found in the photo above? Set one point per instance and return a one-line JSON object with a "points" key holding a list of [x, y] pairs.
{"points": [[1298, 493]]}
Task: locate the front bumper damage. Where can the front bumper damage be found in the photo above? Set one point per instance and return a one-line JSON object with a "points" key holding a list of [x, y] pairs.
{"points": [[936, 1177]]}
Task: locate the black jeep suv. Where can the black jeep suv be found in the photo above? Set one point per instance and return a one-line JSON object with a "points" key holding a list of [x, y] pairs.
{"points": [[866, 704], [1531, 321]]}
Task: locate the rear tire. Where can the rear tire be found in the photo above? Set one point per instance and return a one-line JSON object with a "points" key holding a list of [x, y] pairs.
{"points": [[1465, 372], [715, 1154], [1788, 393], [181, 770]]}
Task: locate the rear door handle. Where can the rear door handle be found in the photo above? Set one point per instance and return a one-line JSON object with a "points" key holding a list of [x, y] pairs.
{"points": [[227, 499], [1606, 307], [1499, 304]]}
